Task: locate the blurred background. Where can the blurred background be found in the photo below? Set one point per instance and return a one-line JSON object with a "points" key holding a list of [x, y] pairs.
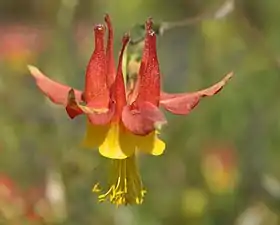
{"points": [[221, 165]]}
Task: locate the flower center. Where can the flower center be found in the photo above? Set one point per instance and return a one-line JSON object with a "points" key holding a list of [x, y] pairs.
{"points": [[126, 187]]}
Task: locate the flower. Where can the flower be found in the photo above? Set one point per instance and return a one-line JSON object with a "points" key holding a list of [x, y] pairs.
{"points": [[103, 101], [120, 118]]}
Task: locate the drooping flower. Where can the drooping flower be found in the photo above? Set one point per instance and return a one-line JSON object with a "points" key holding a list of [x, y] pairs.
{"points": [[121, 119], [103, 101]]}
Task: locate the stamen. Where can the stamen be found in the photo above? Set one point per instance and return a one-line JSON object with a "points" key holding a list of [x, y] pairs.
{"points": [[126, 186]]}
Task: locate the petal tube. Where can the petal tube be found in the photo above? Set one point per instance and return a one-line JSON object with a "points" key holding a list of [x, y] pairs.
{"points": [[56, 92], [110, 64], [143, 115], [96, 81], [143, 65], [149, 84], [118, 88], [183, 103]]}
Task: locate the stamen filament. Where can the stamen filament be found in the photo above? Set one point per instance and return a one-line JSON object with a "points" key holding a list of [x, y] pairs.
{"points": [[126, 186]]}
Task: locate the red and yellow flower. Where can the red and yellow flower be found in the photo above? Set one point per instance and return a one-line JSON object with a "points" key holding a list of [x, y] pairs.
{"points": [[122, 119]]}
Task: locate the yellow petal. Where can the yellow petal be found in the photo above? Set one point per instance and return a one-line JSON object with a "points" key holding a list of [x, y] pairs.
{"points": [[118, 144], [151, 144], [95, 135]]}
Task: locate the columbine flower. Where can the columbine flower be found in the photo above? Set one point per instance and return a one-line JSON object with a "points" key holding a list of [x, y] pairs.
{"points": [[103, 101], [121, 119]]}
